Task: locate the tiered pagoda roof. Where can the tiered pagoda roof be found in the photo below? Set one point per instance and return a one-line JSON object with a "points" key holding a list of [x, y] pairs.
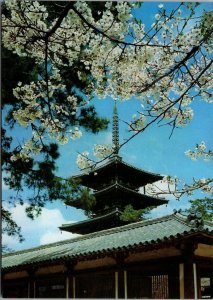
{"points": [[115, 168], [117, 195], [95, 224], [115, 185]]}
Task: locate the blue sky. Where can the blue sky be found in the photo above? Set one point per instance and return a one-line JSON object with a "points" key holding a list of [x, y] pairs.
{"points": [[152, 151]]}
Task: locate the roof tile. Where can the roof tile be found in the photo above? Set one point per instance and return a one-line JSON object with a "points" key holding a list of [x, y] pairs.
{"points": [[140, 233]]}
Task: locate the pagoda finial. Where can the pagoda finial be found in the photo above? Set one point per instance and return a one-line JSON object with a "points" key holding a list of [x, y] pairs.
{"points": [[115, 129]]}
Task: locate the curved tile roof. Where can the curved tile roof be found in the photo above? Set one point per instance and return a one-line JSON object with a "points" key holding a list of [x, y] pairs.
{"points": [[90, 225], [117, 186], [126, 196], [126, 237], [115, 163]]}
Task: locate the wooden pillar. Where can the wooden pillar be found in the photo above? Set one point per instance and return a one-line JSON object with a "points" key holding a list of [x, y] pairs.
{"points": [[2, 284], [34, 288], [121, 289], [32, 283], [73, 287], [121, 284], [195, 280], [67, 286], [181, 280], [188, 281], [190, 272], [70, 280], [116, 285], [125, 285], [198, 282]]}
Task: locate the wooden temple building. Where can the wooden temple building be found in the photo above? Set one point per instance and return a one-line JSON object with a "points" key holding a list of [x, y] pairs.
{"points": [[165, 258]]}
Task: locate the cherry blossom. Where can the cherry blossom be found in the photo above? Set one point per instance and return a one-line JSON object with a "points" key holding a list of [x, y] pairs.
{"points": [[199, 152], [167, 67]]}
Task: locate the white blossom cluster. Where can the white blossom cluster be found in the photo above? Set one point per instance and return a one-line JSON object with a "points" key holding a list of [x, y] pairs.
{"points": [[29, 149], [138, 123], [99, 151], [166, 66], [206, 187], [33, 17], [83, 161], [102, 151], [46, 117], [204, 184], [25, 31], [199, 152], [172, 180], [22, 156], [174, 186]]}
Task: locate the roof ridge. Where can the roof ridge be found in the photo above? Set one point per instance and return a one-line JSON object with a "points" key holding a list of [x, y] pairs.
{"points": [[182, 219], [126, 227], [90, 235]]}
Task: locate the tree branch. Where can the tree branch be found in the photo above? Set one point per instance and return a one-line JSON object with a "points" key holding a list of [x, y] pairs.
{"points": [[173, 103]]}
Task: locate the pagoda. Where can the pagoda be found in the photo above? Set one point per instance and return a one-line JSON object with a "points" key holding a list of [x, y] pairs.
{"points": [[115, 185]]}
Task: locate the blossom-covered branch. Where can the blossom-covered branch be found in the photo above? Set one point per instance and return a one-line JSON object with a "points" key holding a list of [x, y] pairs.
{"points": [[199, 152], [122, 58], [172, 186], [167, 66]]}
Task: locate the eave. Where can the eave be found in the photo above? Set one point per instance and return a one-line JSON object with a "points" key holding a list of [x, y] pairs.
{"points": [[117, 195], [117, 167], [49, 254], [123, 196], [95, 224]]}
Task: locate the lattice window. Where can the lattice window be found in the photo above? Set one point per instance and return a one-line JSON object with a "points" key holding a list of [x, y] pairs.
{"points": [[147, 286], [160, 287]]}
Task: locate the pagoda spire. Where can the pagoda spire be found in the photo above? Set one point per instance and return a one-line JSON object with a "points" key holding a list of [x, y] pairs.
{"points": [[115, 129]]}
